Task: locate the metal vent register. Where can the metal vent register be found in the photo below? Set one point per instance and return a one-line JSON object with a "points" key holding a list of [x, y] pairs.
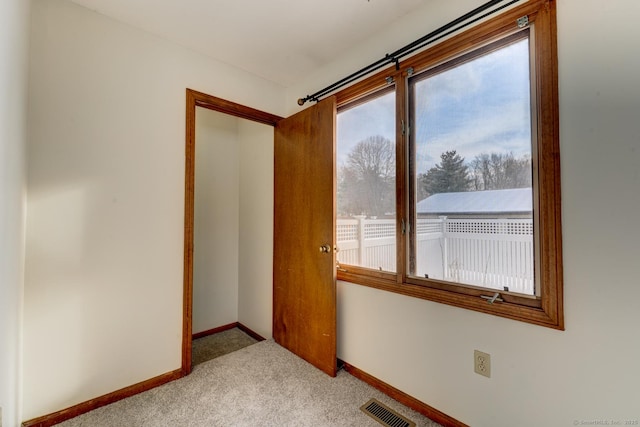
{"points": [[385, 415]]}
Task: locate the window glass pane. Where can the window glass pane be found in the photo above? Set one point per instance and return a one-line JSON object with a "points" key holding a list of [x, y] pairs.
{"points": [[473, 173], [366, 173]]}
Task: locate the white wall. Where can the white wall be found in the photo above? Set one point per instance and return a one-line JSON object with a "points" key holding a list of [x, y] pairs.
{"points": [[233, 238], [103, 285], [540, 377], [255, 305], [14, 43], [216, 220]]}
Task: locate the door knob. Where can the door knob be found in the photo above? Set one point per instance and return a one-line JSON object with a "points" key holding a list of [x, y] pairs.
{"points": [[325, 249]]}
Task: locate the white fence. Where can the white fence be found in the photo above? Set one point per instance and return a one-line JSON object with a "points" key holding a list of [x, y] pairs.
{"points": [[367, 242], [492, 253]]}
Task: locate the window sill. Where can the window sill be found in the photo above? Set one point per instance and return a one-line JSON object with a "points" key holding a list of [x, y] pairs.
{"points": [[535, 312]]}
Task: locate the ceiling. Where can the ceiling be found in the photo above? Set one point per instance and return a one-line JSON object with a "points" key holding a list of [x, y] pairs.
{"points": [[279, 40]]}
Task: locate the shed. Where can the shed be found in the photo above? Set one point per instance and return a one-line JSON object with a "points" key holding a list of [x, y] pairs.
{"points": [[489, 203]]}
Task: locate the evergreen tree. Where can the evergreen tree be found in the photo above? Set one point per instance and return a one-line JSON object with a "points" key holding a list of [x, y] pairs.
{"points": [[451, 175]]}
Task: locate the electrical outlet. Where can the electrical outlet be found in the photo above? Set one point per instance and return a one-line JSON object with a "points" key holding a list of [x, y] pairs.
{"points": [[482, 363]]}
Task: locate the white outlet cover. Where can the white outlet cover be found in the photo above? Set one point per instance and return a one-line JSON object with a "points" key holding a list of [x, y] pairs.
{"points": [[482, 363]]}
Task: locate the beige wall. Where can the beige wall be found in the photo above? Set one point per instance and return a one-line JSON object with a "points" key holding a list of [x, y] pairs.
{"points": [[216, 220], [14, 43], [233, 223], [103, 285], [540, 377], [255, 290]]}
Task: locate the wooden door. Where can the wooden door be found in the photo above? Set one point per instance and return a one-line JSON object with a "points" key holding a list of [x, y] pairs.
{"points": [[304, 273]]}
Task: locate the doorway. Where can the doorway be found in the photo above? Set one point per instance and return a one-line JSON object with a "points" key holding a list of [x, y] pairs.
{"points": [[240, 264]]}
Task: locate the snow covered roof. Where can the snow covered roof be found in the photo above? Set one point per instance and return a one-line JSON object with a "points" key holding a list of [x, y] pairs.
{"points": [[517, 200]]}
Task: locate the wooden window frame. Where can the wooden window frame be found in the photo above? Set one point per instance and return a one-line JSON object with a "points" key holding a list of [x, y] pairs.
{"points": [[546, 309]]}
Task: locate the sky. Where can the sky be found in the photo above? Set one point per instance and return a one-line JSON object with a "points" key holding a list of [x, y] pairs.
{"points": [[376, 117], [481, 106]]}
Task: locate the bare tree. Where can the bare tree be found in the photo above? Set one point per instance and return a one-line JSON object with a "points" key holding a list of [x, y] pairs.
{"points": [[366, 183], [497, 171]]}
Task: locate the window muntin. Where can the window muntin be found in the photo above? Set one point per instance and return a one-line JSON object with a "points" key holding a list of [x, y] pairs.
{"points": [[471, 145], [366, 183]]}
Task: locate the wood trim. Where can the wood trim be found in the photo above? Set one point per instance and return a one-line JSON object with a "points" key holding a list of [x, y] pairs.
{"points": [[189, 198], [402, 170], [536, 316], [98, 402], [200, 99], [251, 333], [351, 271], [366, 98], [233, 109], [214, 331], [483, 33], [549, 197], [402, 397], [223, 328], [363, 88]]}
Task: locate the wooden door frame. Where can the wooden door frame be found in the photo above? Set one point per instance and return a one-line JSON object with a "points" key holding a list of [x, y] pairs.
{"points": [[199, 99]]}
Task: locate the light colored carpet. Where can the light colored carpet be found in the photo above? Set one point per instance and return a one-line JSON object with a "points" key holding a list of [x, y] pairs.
{"points": [[219, 344], [260, 385]]}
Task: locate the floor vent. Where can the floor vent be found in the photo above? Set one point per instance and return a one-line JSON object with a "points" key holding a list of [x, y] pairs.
{"points": [[385, 415]]}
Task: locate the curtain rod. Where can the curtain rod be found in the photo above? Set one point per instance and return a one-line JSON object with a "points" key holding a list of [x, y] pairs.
{"points": [[426, 40]]}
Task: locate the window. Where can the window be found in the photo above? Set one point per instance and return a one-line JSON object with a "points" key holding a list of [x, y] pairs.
{"points": [[472, 215], [448, 180], [366, 175]]}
